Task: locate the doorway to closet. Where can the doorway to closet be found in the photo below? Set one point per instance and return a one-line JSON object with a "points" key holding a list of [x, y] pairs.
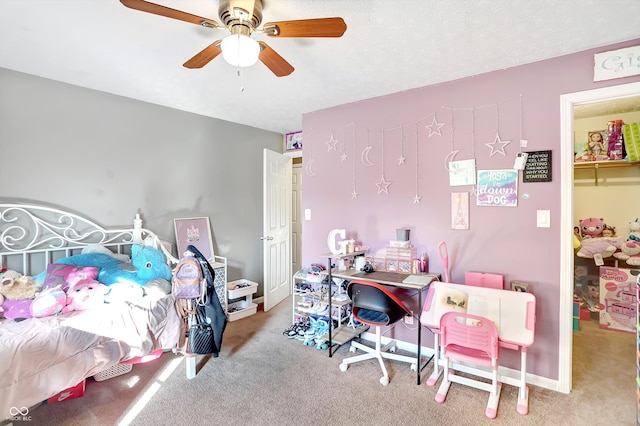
{"points": [[571, 106]]}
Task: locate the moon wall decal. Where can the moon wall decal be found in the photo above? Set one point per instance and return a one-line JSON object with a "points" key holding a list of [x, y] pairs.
{"points": [[310, 172], [365, 157], [449, 158]]}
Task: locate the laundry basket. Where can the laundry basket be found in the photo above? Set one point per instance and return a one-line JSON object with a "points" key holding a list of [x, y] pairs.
{"points": [[113, 371]]}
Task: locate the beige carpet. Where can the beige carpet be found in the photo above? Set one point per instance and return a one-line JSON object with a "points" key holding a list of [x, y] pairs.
{"points": [[263, 378]]}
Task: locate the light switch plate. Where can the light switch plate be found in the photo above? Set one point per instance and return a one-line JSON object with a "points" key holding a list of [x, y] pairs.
{"points": [[307, 214], [544, 218]]}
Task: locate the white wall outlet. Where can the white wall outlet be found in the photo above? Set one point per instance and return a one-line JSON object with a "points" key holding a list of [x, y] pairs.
{"points": [[408, 319], [307, 214]]}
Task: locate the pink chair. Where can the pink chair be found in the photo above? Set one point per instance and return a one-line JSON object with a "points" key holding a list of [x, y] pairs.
{"points": [[473, 340]]}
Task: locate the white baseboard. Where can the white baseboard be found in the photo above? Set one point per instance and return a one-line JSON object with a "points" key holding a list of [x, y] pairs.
{"points": [[532, 379]]}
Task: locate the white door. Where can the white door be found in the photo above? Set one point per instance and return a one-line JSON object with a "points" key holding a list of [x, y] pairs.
{"points": [[296, 218], [276, 229]]}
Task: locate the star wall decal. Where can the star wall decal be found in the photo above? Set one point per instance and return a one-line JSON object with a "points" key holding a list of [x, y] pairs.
{"points": [[500, 149], [416, 199], [474, 191], [343, 157], [401, 159], [383, 186], [331, 144], [438, 126]]}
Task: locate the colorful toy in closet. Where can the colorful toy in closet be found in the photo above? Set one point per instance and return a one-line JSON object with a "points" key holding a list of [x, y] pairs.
{"points": [[603, 246], [629, 252], [634, 230], [591, 227], [609, 231]]}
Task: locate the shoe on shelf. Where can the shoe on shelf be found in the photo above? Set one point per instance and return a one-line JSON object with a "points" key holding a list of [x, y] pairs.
{"points": [[322, 309]]}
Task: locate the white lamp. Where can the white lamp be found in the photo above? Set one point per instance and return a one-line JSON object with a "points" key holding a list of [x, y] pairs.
{"points": [[240, 50]]}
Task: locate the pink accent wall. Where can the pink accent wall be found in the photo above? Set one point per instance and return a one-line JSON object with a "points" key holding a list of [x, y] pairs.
{"points": [[502, 240]]}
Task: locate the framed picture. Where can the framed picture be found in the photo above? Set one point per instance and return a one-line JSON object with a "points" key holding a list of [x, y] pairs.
{"points": [[194, 231], [293, 141], [519, 286]]}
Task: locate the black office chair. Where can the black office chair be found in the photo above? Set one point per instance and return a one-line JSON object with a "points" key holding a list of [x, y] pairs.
{"points": [[374, 305]]}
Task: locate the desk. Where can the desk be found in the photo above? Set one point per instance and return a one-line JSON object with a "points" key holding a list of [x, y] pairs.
{"points": [[514, 316], [394, 279]]}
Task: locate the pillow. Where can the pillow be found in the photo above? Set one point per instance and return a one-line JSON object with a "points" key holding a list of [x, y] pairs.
{"points": [[67, 275]]}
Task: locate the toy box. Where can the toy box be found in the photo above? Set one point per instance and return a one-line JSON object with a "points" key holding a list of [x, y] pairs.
{"points": [[594, 149], [618, 300], [631, 133], [73, 392], [615, 144]]}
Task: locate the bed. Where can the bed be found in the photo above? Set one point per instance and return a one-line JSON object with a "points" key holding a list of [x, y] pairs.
{"points": [[40, 357]]}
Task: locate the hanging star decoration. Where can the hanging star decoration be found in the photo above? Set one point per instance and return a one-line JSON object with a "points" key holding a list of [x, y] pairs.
{"points": [[354, 194], [501, 145], [401, 160], [438, 126], [474, 191], [383, 186], [331, 143], [343, 157], [416, 199]]}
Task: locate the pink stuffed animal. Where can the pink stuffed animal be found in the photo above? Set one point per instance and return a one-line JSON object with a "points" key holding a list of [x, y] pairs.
{"points": [[603, 246], [591, 227], [630, 252], [48, 303], [85, 294]]}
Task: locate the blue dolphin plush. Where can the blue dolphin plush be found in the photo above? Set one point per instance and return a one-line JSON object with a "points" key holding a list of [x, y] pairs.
{"points": [[147, 263]]}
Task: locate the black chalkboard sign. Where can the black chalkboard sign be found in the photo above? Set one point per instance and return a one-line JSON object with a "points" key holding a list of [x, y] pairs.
{"points": [[538, 167]]}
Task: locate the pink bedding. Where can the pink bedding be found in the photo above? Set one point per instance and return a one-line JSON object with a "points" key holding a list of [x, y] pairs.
{"points": [[39, 357]]}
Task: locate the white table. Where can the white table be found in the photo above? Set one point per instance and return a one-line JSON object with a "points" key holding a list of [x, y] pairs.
{"points": [[512, 311]]}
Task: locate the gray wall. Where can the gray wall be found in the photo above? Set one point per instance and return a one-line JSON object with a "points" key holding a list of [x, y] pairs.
{"points": [[108, 157]]}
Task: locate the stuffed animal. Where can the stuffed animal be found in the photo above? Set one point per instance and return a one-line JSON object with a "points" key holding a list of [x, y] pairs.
{"points": [[85, 294], [48, 303], [604, 246], [630, 252], [21, 287], [592, 227], [147, 263], [634, 228]]}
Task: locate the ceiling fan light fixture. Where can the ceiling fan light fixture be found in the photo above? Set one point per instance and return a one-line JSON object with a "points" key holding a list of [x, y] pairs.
{"points": [[240, 50]]}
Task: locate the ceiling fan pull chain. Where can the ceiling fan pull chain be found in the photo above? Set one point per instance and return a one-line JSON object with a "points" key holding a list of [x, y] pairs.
{"points": [[239, 71]]}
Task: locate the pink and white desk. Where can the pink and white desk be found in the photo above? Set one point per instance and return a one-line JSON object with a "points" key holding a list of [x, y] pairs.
{"points": [[514, 314]]}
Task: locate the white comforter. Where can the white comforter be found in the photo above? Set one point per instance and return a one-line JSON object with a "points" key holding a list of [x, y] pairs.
{"points": [[39, 357]]}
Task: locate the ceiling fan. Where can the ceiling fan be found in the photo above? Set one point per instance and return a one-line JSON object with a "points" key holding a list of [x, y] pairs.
{"points": [[242, 18]]}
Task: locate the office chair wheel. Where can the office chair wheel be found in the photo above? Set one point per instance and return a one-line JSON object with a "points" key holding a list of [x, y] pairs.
{"points": [[414, 367], [344, 367], [384, 380]]}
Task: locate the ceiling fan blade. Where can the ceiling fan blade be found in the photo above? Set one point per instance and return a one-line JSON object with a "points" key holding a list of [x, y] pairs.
{"points": [[273, 61], [157, 9], [205, 56], [321, 27]]}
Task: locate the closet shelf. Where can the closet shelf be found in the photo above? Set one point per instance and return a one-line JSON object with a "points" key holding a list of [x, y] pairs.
{"points": [[605, 164], [596, 165]]}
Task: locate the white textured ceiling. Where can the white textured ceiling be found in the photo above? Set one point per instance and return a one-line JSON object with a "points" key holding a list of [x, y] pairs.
{"points": [[389, 46]]}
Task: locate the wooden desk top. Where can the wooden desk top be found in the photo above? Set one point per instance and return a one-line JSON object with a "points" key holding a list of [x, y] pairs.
{"points": [[395, 279]]}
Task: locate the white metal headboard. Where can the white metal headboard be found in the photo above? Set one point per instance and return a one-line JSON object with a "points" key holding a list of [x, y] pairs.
{"points": [[33, 236]]}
